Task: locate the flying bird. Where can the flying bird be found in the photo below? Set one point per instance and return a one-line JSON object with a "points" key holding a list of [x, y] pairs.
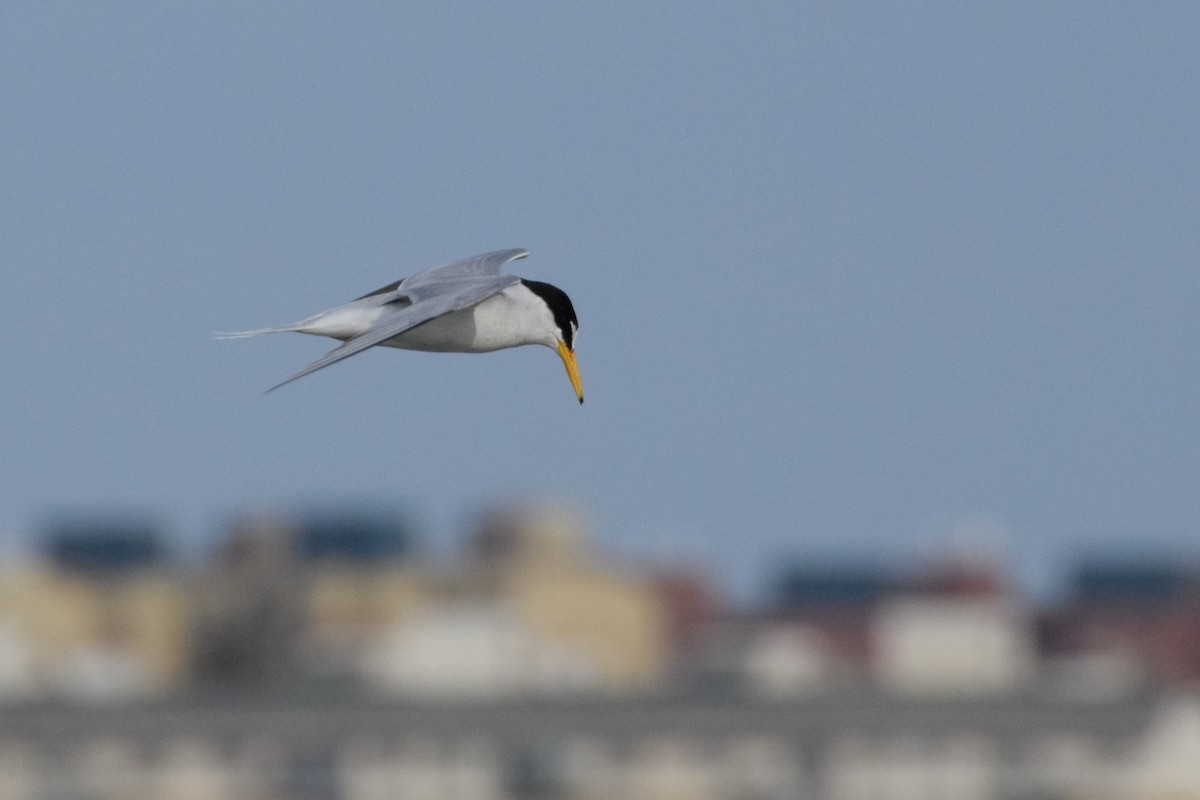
{"points": [[464, 307]]}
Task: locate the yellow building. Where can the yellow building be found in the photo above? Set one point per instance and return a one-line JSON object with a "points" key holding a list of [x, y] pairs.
{"points": [[535, 562], [528, 610], [93, 634]]}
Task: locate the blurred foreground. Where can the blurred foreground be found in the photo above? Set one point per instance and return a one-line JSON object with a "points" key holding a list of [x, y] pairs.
{"points": [[325, 659]]}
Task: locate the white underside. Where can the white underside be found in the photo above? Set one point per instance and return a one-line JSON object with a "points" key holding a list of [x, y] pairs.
{"points": [[511, 318]]}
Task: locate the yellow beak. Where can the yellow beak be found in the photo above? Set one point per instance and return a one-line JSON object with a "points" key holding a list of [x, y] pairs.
{"points": [[568, 357]]}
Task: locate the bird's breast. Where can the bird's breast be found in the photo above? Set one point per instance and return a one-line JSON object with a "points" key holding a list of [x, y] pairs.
{"points": [[494, 324], [449, 333]]}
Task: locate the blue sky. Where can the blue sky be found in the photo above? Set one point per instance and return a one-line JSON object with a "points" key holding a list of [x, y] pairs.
{"points": [[865, 281]]}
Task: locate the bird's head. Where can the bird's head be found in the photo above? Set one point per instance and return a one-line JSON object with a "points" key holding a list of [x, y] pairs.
{"points": [[564, 328]]}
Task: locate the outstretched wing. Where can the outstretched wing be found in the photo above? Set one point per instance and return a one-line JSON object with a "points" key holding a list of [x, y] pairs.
{"points": [[474, 267], [430, 300], [427, 281]]}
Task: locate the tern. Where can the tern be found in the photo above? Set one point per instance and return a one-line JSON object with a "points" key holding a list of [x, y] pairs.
{"points": [[463, 307]]}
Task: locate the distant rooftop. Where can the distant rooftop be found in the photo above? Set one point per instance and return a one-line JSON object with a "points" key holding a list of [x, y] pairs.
{"points": [[354, 537], [1145, 582], [105, 545], [804, 587]]}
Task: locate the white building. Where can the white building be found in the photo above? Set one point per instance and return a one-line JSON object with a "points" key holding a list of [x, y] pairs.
{"points": [[953, 644]]}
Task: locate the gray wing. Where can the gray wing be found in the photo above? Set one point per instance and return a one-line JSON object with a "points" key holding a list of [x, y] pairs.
{"points": [[479, 266], [427, 304], [433, 281]]}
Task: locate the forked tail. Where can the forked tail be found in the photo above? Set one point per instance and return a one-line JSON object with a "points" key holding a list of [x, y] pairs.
{"points": [[256, 332]]}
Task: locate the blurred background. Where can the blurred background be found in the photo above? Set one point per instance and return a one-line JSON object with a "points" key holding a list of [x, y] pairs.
{"points": [[886, 485]]}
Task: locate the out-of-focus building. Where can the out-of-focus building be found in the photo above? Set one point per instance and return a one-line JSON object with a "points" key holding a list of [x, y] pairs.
{"points": [[306, 600], [691, 603], [955, 630], [815, 636], [322, 658], [309, 746], [102, 615], [361, 576], [835, 609], [531, 611], [538, 563], [1127, 625], [342, 598]]}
